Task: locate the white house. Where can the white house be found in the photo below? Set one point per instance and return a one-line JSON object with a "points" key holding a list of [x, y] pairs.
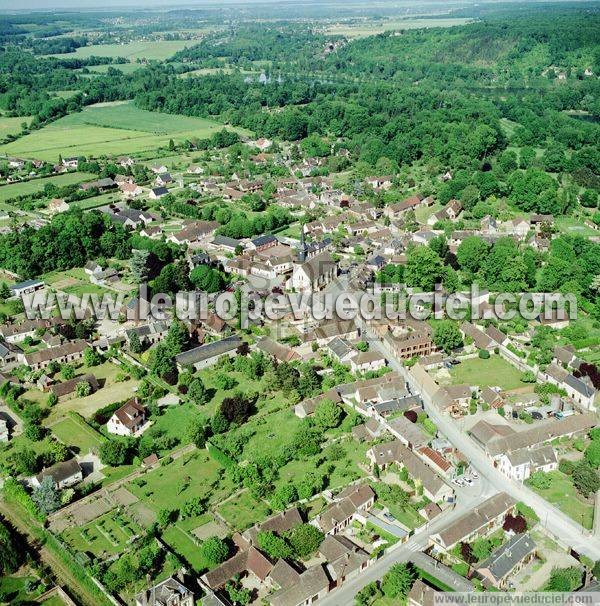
{"points": [[127, 420]]}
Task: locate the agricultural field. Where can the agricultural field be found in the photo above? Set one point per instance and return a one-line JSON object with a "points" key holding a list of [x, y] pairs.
{"points": [[110, 128], [7, 192], [151, 50], [372, 27], [73, 282], [12, 126]]}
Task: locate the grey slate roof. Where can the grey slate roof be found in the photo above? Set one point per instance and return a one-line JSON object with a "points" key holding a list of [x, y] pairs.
{"points": [[505, 558], [208, 351]]}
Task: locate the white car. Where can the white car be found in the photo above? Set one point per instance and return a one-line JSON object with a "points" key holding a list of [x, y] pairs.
{"points": [[468, 481]]}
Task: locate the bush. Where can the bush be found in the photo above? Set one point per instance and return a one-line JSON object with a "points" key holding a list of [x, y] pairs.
{"points": [[484, 354]]}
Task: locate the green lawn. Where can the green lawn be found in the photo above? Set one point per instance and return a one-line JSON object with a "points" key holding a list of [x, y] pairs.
{"points": [[185, 546], [106, 129], [189, 476], [494, 371], [174, 421], [34, 185], [104, 536], [73, 431], [563, 494], [12, 589], [243, 511], [573, 226]]}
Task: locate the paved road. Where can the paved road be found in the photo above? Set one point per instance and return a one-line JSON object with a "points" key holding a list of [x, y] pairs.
{"points": [[491, 481], [467, 500]]}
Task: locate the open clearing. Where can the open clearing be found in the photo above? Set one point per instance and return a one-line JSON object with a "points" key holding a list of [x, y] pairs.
{"points": [[116, 128], [140, 49], [12, 126], [494, 371], [75, 432], [357, 30], [31, 187]]}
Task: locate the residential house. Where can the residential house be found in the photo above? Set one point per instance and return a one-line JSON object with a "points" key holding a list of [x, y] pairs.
{"points": [[421, 594], [311, 585], [249, 561], [194, 232], [148, 334], [345, 560], [67, 387], [27, 287], [156, 193], [366, 361], [307, 407], [208, 354], [130, 190], [481, 521], [127, 420], [350, 503], [490, 397], [163, 179], [65, 474], [396, 453], [581, 390], [170, 592], [395, 211], [277, 351], [519, 464], [69, 352], [57, 205], [506, 561]]}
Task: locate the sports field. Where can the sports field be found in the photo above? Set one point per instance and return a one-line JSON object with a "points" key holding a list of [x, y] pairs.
{"points": [[30, 187], [139, 49], [107, 129]]}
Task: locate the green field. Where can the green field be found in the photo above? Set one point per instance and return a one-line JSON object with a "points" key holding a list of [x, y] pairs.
{"points": [[138, 49], [360, 30], [12, 126], [126, 68], [73, 431], [107, 129], [492, 372], [243, 511], [31, 187], [562, 494], [170, 486]]}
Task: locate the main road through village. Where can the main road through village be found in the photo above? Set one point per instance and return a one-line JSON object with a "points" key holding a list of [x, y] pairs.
{"points": [[491, 481]]}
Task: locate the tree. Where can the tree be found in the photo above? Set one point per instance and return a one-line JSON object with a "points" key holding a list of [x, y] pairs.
{"points": [[564, 579], [447, 335], [284, 496], [9, 554], [135, 345], [397, 582], [585, 478], [592, 454], [481, 549], [83, 389], [540, 480], [162, 363], [214, 551], [195, 432], [24, 461], [274, 546], [46, 496], [367, 595], [305, 540], [139, 265], [237, 409], [197, 392], [5, 292], [67, 372], [424, 268], [328, 415], [177, 338], [471, 253], [238, 595], [309, 485], [207, 279], [114, 452], [518, 524]]}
